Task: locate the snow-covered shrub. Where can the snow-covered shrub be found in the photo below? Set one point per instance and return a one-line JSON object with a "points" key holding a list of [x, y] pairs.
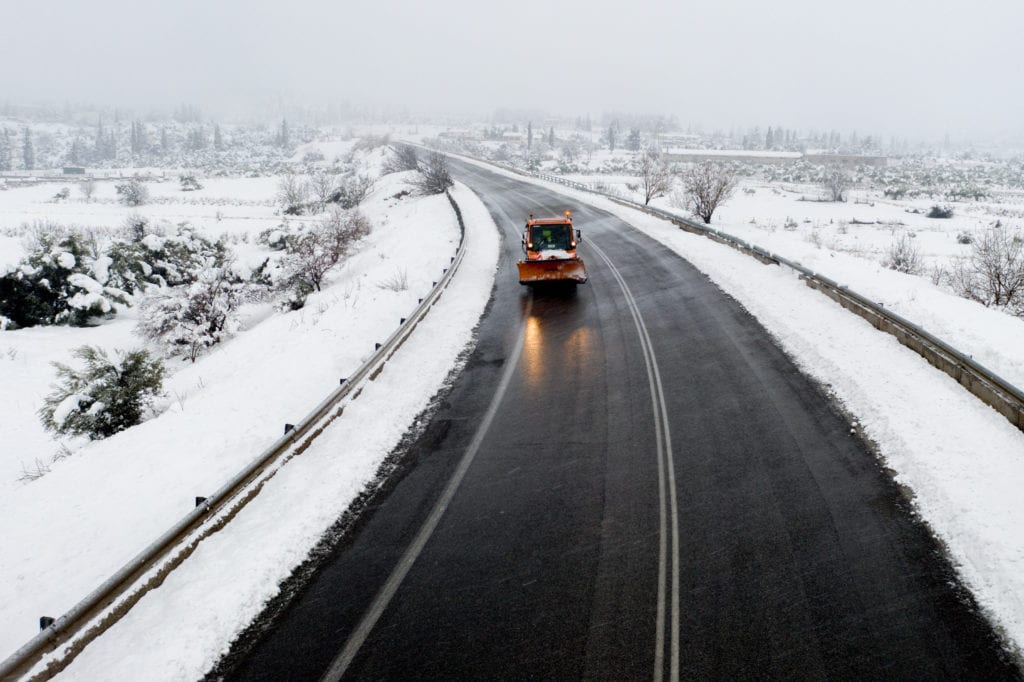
{"points": [[835, 181], [63, 195], [135, 227], [296, 291], [188, 182], [940, 212], [370, 142], [87, 188], [434, 177], [904, 256], [129, 268], [402, 158], [180, 257], [63, 280], [293, 194], [190, 318], [132, 192], [151, 255], [993, 274], [352, 191], [313, 156], [259, 283], [964, 238], [312, 253], [275, 238], [106, 396], [323, 186]]}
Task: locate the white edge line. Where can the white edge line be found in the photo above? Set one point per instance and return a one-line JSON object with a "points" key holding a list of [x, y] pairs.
{"points": [[355, 641]]}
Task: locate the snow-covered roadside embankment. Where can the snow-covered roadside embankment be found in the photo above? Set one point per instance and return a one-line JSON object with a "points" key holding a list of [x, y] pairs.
{"points": [[225, 583], [963, 461], [65, 533]]}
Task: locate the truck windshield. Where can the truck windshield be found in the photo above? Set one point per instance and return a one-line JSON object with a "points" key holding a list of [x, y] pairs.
{"points": [[551, 237]]}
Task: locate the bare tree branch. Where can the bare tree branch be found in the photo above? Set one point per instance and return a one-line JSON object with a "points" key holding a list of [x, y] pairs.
{"points": [[656, 177], [434, 176], [705, 187], [836, 182]]}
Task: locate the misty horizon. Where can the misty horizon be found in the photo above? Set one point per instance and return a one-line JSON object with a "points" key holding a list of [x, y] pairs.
{"points": [[925, 70]]}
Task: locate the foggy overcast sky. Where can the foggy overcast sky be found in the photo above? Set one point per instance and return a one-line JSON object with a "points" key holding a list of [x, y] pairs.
{"points": [[894, 67]]}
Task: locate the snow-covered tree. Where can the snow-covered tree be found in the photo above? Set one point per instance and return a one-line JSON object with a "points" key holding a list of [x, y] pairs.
{"points": [[137, 141], [106, 396], [133, 192], [633, 140], [993, 274], [402, 158], [28, 151], [6, 154], [190, 318], [87, 187], [283, 134], [611, 135], [835, 181], [312, 253], [656, 177], [77, 154], [293, 194], [352, 191], [324, 186], [434, 175], [705, 187]]}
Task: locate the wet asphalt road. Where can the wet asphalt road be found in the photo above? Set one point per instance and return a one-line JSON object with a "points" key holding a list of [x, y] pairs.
{"points": [[655, 460]]}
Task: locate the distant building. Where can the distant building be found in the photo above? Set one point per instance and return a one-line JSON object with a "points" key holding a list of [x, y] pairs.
{"points": [[771, 157], [679, 140], [74, 170], [848, 160], [459, 135]]}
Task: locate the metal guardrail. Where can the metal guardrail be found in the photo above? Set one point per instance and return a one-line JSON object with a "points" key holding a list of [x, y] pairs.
{"points": [[228, 498], [989, 387]]}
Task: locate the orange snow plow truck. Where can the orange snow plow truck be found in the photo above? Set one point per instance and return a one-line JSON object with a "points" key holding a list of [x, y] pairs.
{"points": [[550, 246]]}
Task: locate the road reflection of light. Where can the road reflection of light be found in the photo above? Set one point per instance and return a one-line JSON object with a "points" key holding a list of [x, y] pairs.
{"points": [[533, 353], [545, 355], [578, 350]]}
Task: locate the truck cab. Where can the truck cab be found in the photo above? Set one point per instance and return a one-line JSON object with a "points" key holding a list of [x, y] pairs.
{"points": [[550, 246]]}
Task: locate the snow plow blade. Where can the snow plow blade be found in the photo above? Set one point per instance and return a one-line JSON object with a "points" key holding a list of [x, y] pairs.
{"points": [[534, 271]]}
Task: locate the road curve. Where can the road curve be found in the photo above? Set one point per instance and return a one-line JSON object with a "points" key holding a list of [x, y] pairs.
{"points": [[627, 482]]}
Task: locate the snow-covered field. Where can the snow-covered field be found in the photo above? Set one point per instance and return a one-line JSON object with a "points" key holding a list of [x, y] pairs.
{"points": [[963, 461], [65, 532], [849, 243]]}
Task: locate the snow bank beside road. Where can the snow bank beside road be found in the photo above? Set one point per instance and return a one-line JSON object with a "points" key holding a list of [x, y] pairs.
{"points": [[963, 461], [223, 586], [67, 532]]}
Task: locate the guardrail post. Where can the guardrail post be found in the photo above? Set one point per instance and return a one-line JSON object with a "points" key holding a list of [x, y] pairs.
{"points": [[45, 622], [288, 427], [200, 500]]}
